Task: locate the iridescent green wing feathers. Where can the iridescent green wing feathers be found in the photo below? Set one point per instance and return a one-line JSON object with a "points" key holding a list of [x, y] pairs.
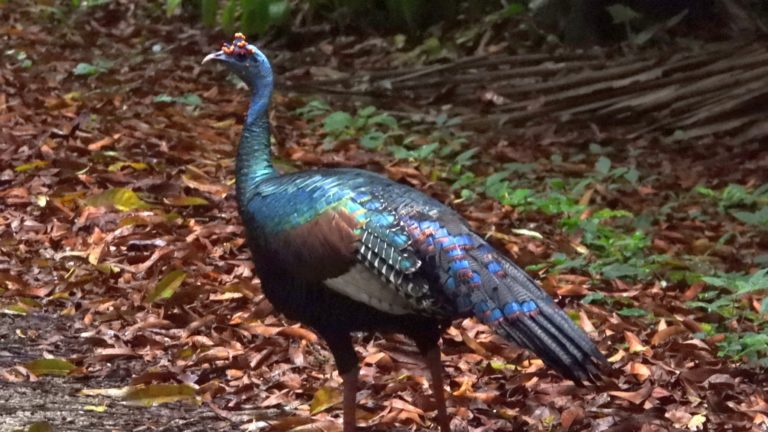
{"points": [[321, 227]]}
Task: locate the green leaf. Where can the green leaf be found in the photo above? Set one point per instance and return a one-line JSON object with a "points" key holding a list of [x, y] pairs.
{"points": [[117, 166], [121, 198], [467, 155], [594, 297], [366, 112], [278, 11], [95, 408], [383, 119], [186, 201], [519, 197], [633, 312], [622, 14], [373, 140], [603, 165], [163, 98], [620, 270], [15, 309], [254, 16], [85, 69], [228, 16], [171, 6], [313, 109], [31, 165], [258, 16], [189, 99], [88, 69], [425, 151], [155, 394], [596, 148], [496, 178], [41, 426], [707, 192], [513, 9], [50, 366], [399, 152], [167, 286], [208, 10], [632, 175], [337, 122], [757, 218], [325, 397], [716, 281]]}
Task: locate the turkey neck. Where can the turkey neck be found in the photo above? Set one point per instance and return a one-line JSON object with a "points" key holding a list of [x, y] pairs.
{"points": [[254, 158]]}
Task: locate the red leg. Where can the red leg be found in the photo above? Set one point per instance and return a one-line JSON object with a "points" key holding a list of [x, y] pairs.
{"points": [[346, 363], [435, 366], [350, 400]]}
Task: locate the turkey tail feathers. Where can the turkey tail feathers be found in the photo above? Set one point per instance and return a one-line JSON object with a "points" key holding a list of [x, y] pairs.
{"points": [[495, 290], [519, 309]]}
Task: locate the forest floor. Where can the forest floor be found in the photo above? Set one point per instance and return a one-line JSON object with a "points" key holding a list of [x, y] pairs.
{"points": [[128, 300]]}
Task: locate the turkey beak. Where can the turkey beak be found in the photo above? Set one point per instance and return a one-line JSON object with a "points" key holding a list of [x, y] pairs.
{"points": [[218, 55]]}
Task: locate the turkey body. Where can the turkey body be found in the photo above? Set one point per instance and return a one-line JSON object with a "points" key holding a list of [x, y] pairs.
{"points": [[345, 250], [300, 261]]}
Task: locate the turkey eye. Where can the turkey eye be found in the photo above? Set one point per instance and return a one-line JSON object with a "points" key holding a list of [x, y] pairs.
{"points": [[240, 56]]}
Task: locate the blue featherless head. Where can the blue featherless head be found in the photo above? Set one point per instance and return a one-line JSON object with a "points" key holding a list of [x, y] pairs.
{"points": [[245, 61]]}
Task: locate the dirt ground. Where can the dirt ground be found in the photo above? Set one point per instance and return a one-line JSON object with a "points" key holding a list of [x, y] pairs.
{"points": [[57, 400]]}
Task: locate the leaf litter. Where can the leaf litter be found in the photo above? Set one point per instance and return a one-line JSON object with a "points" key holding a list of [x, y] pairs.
{"points": [[118, 216]]}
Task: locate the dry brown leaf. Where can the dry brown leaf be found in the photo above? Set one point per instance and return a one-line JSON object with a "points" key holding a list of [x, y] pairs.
{"points": [[321, 426], [664, 334], [324, 398], [693, 291], [585, 324], [472, 344], [571, 415], [299, 333], [107, 354], [634, 343], [618, 356], [637, 396], [98, 145], [572, 290], [639, 370]]}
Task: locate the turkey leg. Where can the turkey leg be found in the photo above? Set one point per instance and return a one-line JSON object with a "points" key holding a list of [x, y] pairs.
{"points": [[432, 356]]}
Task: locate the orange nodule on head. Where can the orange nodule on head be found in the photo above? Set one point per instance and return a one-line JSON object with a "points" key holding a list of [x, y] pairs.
{"points": [[239, 46]]}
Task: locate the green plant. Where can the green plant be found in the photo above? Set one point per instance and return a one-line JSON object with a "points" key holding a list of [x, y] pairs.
{"points": [[749, 345], [749, 207], [735, 195], [247, 16], [411, 16], [726, 297], [20, 56], [371, 127], [736, 285], [86, 69], [440, 139], [188, 99]]}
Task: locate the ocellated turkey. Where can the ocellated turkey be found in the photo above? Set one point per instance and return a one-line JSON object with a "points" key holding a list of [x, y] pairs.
{"points": [[346, 250]]}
